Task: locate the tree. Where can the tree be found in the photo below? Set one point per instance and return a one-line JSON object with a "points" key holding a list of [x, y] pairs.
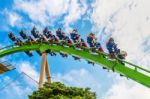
{"points": [[58, 90]]}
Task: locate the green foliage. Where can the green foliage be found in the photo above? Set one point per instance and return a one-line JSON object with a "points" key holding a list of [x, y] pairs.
{"points": [[58, 90]]}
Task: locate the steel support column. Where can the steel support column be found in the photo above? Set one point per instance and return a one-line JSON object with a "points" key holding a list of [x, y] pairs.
{"points": [[44, 70]]}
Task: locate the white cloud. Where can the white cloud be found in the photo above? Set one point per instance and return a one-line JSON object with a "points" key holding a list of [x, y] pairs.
{"points": [[105, 9], [45, 12], [10, 18], [22, 85], [79, 78], [125, 89], [42, 11], [15, 88], [29, 69], [75, 12], [128, 22], [14, 19]]}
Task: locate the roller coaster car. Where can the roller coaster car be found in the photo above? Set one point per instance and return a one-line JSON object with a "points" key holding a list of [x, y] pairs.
{"points": [[55, 38], [83, 43], [18, 41], [35, 33], [74, 37], [99, 47], [112, 54], [23, 35], [60, 37], [93, 47], [90, 41], [30, 39], [12, 36], [42, 38], [80, 42], [67, 39], [48, 34]]}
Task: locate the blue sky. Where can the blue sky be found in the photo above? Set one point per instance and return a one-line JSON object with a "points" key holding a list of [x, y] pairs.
{"points": [[127, 21]]}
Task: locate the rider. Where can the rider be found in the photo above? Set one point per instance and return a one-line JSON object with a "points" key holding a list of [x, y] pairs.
{"points": [[35, 33], [66, 38], [23, 35], [75, 38], [122, 55], [113, 50], [83, 43], [99, 47], [30, 39], [90, 39], [42, 38], [74, 35], [45, 31], [18, 41], [80, 41], [51, 37], [59, 34], [12, 36], [111, 46], [49, 34]]}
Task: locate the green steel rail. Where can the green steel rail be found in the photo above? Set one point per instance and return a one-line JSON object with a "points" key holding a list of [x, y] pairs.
{"points": [[131, 71]]}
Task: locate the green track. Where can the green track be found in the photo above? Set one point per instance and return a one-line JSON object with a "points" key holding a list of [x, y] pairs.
{"points": [[131, 71]]}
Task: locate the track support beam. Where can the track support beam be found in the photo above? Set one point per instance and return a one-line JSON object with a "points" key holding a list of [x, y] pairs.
{"points": [[44, 70]]}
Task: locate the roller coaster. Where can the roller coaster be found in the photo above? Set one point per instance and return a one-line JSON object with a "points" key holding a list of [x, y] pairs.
{"points": [[65, 47]]}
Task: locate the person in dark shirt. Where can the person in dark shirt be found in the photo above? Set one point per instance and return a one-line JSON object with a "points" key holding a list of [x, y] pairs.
{"points": [[12, 36], [111, 46], [35, 33], [23, 35], [90, 39], [74, 36], [59, 34]]}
